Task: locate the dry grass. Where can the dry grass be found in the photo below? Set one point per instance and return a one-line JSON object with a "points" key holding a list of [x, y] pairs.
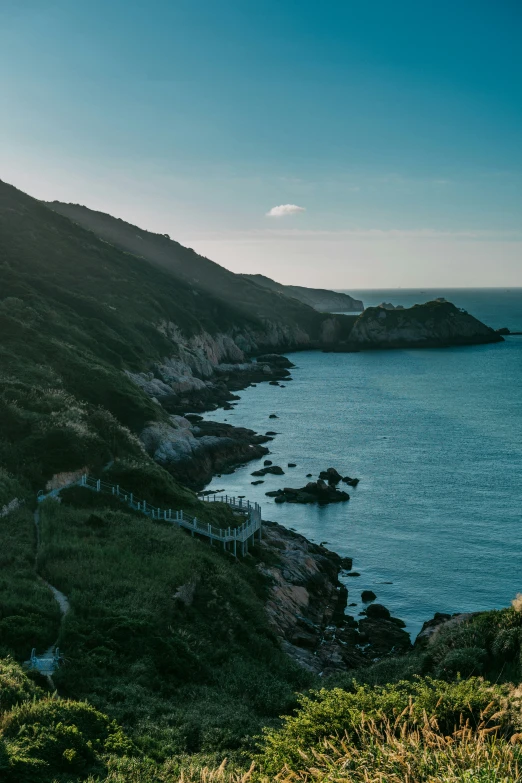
{"points": [[389, 753], [421, 755]]}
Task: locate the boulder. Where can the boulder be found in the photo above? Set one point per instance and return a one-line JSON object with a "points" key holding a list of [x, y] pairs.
{"points": [[313, 492], [352, 482], [378, 612], [368, 596], [255, 483], [275, 469], [292, 465], [331, 475], [382, 636], [267, 462], [273, 416]]}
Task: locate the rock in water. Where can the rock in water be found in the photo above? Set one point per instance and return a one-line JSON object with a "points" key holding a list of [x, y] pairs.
{"points": [[331, 475], [313, 492], [367, 596], [275, 469]]}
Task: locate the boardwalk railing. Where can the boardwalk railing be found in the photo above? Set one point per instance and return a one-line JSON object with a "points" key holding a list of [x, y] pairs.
{"points": [[45, 664], [229, 537]]}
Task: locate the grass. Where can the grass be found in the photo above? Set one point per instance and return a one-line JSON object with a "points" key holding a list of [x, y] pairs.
{"points": [[165, 633], [29, 615], [432, 733]]}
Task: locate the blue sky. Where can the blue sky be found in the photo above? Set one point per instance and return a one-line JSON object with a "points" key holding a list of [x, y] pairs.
{"points": [[395, 125]]}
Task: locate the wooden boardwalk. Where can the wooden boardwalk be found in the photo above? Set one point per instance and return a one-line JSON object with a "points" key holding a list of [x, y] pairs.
{"points": [[234, 539]]}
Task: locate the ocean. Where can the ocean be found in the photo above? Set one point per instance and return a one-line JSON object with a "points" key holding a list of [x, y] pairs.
{"points": [[435, 437]]}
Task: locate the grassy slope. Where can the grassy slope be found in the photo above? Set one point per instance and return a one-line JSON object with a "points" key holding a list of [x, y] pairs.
{"points": [[29, 615], [430, 732], [196, 673]]}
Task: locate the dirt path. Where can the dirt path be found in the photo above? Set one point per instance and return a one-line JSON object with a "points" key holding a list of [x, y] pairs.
{"points": [[60, 598]]}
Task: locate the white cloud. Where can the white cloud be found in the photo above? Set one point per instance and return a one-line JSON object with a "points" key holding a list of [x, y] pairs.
{"points": [[285, 209]]}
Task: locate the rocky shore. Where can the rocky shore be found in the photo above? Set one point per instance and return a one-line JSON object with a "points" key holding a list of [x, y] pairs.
{"points": [[190, 448], [307, 602]]}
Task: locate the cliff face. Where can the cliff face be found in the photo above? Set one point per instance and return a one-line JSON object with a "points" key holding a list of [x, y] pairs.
{"points": [[431, 325], [306, 607], [321, 299]]}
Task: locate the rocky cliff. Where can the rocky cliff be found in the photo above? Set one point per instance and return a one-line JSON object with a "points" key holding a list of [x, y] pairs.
{"points": [[431, 325], [306, 607], [320, 299]]}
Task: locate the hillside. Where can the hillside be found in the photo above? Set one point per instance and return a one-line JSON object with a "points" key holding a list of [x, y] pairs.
{"points": [[235, 291], [102, 334], [320, 299]]}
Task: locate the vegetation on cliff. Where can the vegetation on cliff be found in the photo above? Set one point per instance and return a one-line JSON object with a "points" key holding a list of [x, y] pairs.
{"points": [[430, 325]]}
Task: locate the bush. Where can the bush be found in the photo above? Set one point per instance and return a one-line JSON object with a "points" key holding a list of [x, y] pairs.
{"points": [[464, 662], [15, 686], [340, 713], [53, 737]]}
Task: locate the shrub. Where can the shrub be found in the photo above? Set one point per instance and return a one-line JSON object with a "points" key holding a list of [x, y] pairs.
{"points": [[15, 686], [340, 713], [464, 662], [53, 737]]}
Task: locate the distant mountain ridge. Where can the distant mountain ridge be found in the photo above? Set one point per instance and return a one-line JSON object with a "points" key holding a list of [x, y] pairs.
{"points": [[320, 299], [183, 263]]}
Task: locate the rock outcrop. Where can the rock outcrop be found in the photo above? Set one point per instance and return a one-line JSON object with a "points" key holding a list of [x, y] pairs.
{"points": [[194, 451], [314, 492], [431, 325], [306, 607], [431, 628]]}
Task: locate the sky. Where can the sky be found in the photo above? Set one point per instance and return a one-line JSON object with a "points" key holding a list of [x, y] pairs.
{"points": [[341, 143]]}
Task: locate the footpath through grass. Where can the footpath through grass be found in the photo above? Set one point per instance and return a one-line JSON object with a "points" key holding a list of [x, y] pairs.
{"points": [[165, 633]]}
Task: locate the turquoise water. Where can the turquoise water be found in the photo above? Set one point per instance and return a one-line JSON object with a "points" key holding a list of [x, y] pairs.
{"points": [[435, 437]]}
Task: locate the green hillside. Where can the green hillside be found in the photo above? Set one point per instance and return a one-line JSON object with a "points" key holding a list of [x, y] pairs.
{"points": [[240, 293]]}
